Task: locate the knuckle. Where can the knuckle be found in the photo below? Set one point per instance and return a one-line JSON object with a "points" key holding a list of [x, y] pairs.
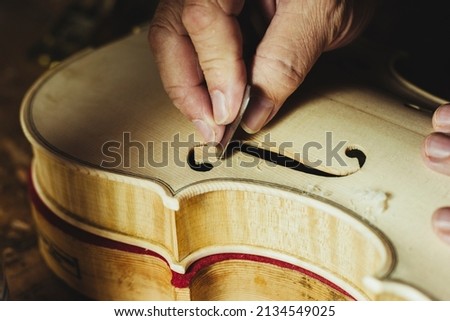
{"points": [[218, 70], [157, 34], [181, 99], [281, 73], [231, 7], [165, 23], [197, 16], [213, 67], [178, 95]]}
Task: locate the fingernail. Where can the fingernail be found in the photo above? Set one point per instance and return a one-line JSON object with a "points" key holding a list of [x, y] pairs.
{"points": [[441, 223], [221, 112], [441, 220], [437, 146], [205, 130], [442, 117], [259, 110]]}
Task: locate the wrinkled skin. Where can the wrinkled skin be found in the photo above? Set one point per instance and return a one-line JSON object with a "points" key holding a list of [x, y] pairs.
{"points": [[198, 46], [199, 49]]}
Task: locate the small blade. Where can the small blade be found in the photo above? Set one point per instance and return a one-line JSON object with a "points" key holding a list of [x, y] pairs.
{"points": [[231, 128]]}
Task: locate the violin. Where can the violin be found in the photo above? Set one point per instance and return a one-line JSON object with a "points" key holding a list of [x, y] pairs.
{"points": [[330, 201]]}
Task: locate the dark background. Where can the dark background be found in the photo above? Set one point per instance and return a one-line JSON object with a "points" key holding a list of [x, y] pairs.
{"points": [[33, 34]]}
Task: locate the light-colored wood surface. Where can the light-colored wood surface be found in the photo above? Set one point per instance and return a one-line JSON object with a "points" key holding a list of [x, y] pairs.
{"points": [[367, 230]]}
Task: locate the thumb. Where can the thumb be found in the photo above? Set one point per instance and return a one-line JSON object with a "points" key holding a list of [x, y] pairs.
{"points": [[296, 37]]}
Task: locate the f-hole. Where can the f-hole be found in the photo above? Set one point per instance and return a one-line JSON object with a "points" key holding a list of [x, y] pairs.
{"points": [[354, 152], [197, 166], [276, 158]]}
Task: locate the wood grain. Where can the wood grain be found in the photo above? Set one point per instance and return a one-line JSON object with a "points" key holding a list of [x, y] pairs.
{"points": [[366, 230]]}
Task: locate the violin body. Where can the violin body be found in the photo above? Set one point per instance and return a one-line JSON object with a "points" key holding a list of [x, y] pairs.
{"points": [[123, 212]]}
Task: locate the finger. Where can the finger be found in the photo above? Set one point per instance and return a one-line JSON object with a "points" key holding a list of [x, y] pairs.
{"points": [[216, 36], [287, 52], [179, 69], [441, 118], [441, 223], [355, 17], [298, 34], [436, 152]]}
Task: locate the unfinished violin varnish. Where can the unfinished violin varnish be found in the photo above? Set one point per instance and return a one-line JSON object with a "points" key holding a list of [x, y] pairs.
{"points": [[332, 203]]}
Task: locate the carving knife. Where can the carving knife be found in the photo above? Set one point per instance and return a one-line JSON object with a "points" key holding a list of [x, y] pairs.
{"points": [[231, 128]]}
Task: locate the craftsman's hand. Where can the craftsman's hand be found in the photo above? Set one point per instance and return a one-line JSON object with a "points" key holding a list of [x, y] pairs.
{"points": [[436, 154], [198, 46]]}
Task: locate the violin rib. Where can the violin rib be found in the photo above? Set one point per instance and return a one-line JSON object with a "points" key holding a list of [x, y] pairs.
{"points": [[123, 215]]}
